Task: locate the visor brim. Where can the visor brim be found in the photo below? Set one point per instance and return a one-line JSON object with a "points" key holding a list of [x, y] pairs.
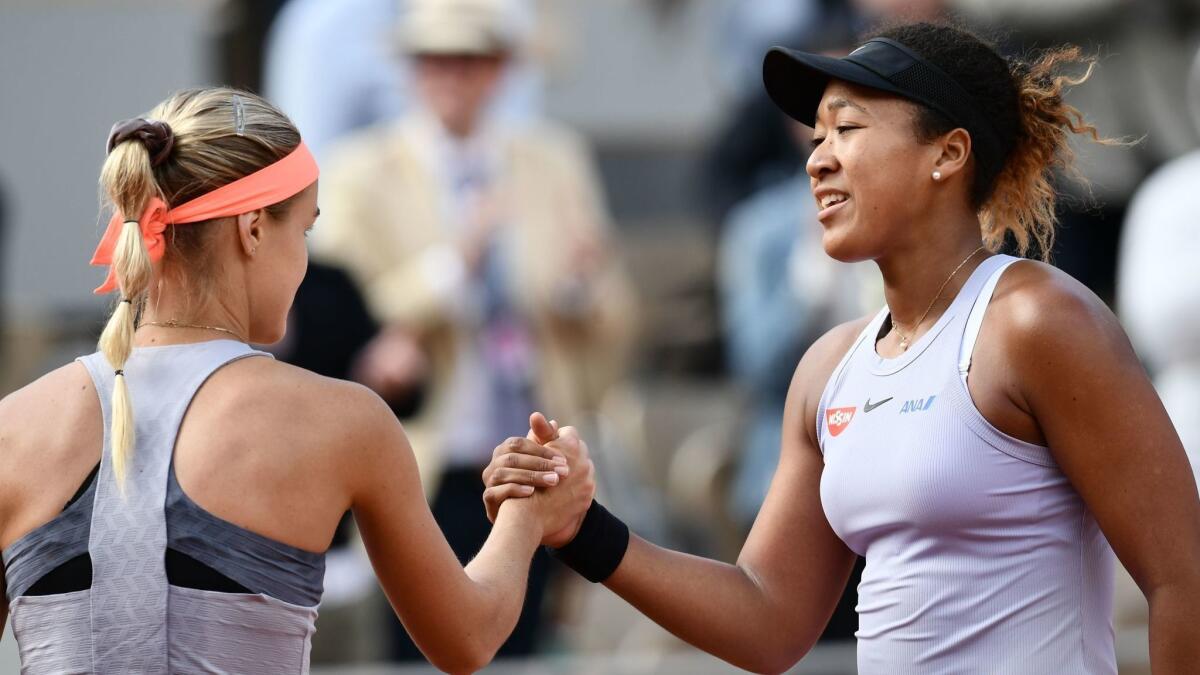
{"points": [[796, 80]]}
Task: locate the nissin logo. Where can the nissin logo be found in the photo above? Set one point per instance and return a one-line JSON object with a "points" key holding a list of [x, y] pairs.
{"points": [[837, 419], [917, 405]]}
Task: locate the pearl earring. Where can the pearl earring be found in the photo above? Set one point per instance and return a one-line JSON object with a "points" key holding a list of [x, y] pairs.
{"points": [[937, 175]]}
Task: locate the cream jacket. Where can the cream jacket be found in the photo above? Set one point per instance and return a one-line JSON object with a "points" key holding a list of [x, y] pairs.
{"points": [[383, 221]]}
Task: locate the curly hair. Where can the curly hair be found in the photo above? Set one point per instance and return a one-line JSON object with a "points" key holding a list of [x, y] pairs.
{"points": [[1023, 99]]}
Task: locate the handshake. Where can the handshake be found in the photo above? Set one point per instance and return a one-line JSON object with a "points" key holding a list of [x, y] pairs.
{"points": [[549, 472]]}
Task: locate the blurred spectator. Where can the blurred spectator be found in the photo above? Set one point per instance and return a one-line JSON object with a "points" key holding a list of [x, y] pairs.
{"points": [[240, 40], [752, 150], [328, 324], [484, 244], [747, 29], [328, 65], [333, 67], [1158, 282]]}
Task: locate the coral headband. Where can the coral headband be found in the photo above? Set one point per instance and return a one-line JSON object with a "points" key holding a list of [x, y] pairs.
{"points": [[267, 186]]}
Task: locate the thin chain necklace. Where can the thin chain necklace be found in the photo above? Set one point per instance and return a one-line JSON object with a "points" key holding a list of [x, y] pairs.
{"points": [[904, 339], [172, 323]]}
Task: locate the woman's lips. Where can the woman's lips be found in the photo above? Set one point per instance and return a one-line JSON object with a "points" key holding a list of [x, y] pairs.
{"points": [[829, 211]]}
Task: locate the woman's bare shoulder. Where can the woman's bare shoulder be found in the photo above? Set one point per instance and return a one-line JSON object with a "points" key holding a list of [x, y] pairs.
{"points": [[282, 394], [823, 356], [49, 429], [1034, 301], [44, 405]]}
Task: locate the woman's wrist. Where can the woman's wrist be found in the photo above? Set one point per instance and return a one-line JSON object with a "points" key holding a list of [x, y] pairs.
{"points": [[598, 547], [522, 514]]}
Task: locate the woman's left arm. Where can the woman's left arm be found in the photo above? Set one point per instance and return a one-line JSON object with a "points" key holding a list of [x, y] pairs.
{"points": [[1078, 376]]}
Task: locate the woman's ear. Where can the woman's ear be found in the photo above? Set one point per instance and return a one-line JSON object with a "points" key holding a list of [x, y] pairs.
{"points": [[250, 231], [954, 149]]}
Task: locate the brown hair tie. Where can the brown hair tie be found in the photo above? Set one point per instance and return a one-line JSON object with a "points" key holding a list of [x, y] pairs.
{"points": [[155, 135]]}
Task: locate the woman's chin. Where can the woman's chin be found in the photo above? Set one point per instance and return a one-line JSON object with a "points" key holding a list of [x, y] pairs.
{"points": [[267, 337], [841, 248]]}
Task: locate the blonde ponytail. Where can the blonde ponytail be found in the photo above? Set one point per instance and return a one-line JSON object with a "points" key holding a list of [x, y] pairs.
{"points": [[190, 144], [129, 178]]}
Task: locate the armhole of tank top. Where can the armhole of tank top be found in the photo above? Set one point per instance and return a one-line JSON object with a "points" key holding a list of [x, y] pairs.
{"points": [[966, 349], [96, 365], [1013, 447], [835, 377]]}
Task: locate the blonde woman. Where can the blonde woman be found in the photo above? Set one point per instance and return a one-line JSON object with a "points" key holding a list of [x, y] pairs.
{"points": [[207, 477]]}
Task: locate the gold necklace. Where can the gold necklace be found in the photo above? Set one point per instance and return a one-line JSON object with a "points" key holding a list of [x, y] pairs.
{"points": [[904, 338], [172, 323]]}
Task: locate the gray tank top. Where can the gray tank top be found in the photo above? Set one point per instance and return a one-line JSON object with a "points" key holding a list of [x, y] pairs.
{"points": [[131, 620], [980, 555]]}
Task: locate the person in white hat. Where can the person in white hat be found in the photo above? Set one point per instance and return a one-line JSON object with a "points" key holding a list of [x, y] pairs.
{"points": [[482, 247]]}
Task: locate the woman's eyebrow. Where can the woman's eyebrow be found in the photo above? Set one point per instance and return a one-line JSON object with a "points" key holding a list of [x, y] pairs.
{"points": [[839, 103]]}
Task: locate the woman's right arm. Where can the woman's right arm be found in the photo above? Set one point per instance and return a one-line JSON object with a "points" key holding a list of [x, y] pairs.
{"points": [[458, 618], [766, 611]]}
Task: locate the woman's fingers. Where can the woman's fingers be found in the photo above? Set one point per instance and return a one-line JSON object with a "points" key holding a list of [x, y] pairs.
{"points": [[524, 446], [493, 497], [517, 457], [526, 477], [568, 443], [540, 430]]}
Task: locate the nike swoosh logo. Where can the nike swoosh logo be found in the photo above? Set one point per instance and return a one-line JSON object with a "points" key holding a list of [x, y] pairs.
{"points": [[868, 407]]}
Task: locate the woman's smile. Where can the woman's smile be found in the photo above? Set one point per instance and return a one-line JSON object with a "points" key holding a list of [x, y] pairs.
{"points": [[829, 202]]}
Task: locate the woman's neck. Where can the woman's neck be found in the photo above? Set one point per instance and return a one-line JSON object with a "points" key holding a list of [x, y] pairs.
{"points": [[168, 318], [914, 273]]}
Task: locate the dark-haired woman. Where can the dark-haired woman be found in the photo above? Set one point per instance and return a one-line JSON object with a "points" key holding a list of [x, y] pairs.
{"points": [[981, 441]]}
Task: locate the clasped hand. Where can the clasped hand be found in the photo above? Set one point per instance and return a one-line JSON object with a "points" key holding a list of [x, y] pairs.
{"points": [[551, 467]]}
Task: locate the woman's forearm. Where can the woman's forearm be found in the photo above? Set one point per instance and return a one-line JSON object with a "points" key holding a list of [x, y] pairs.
{"points": [[720, 608], [499, 573], [465, 617], [1174, 625]]}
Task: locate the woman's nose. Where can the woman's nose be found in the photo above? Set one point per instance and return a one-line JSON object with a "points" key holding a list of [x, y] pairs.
{"points": [[821, 161]]}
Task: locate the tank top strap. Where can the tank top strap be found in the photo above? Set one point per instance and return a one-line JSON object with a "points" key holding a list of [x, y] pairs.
{"points": [[128, 536], [979, 306]]}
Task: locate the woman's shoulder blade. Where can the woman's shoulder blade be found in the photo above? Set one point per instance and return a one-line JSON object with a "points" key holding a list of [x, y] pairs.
{"points": [[291, 389]]}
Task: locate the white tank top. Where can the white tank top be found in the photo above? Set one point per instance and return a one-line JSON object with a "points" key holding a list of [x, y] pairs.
{"points": [[980, 555]]}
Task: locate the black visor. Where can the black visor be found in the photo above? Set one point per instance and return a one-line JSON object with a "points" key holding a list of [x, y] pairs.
{"points": [[796, 82]]}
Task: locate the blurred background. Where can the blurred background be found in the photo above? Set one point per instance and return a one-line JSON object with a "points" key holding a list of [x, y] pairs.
{"points": [[628, 148]]}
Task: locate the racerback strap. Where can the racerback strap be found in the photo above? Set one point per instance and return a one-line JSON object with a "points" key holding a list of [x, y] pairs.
{"points": [[128, 531], [975, 319]]}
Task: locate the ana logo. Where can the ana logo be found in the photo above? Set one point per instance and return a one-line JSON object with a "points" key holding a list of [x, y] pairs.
{"points": [[917, 405], [837, 419]]}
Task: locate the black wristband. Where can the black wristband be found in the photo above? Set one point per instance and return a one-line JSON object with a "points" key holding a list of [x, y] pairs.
{"points": [[598, 547]]}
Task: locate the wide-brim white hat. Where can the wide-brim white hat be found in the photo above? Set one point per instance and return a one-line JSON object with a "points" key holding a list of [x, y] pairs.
{"points": [[477, 27]]}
